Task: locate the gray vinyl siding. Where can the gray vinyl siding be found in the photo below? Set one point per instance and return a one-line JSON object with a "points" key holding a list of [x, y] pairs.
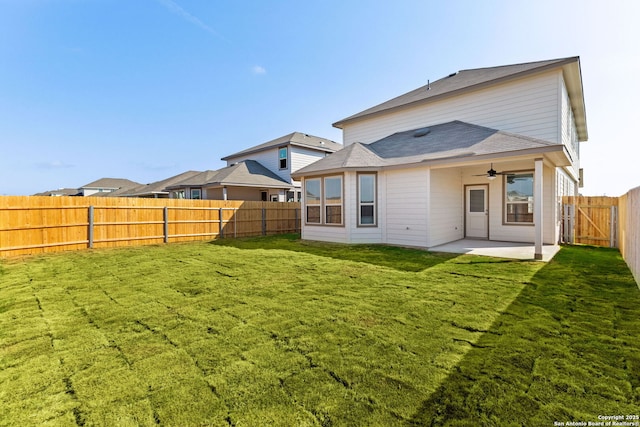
{"points": [[406, 207], [528, 106], [301, 157], [568, 131], [446, 206]]}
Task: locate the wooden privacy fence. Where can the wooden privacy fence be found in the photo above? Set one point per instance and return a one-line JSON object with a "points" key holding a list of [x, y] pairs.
{"points": [[629, 242], [32, 224], [590, 220]]}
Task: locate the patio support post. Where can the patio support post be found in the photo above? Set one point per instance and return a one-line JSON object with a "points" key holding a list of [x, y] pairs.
{"points": [[224, 193], [537, 207]]}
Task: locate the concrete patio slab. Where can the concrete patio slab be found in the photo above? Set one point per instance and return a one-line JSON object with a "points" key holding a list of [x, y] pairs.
{"points": [[497, 249]]}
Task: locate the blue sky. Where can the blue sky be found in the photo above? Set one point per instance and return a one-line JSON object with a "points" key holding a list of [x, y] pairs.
{"points": [[147, 89]]}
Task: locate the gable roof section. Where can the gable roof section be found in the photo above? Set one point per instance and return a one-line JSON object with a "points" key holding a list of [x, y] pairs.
{"points": [[59, 192], [152, 189], [248, 173], [356, 155], [297, 139], [111, 183], [474, 79], [452, 140]]}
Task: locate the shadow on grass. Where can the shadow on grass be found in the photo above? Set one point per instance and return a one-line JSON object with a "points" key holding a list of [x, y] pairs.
{"points": [[402, 259], [566, 349]]}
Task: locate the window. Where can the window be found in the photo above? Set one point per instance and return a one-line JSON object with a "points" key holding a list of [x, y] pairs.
{"points": [[519, 198], [312, 200], [323, 200], [333, 200], [476, 201], [263, 196], [196, 193], [366, 199], [282, 157], [179, 194]]}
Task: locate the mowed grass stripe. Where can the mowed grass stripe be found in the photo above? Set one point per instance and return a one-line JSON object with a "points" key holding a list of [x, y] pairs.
{"points": [[276, 330]]}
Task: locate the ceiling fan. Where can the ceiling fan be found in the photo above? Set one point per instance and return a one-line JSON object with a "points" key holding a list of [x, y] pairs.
{"points": [[491, 173]]}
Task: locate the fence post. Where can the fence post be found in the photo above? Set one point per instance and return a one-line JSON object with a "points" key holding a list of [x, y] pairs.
{"points": [[565, 223], [613, 227], [264, 222], [90, 231], [165, 216], [235, 223], [295, 229], [221, 234]]}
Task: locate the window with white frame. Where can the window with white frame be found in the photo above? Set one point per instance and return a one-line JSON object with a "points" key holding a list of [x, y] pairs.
{"points": [[196, 193], [324, 200], [283, 155], [518, 197], [333, 200], [367, 199], [312, 200]]}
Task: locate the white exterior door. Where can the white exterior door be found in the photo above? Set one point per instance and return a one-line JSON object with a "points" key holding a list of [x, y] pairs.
{"points": [[477, 212]]}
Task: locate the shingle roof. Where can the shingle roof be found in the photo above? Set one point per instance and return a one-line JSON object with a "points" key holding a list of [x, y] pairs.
{"points": [[59, 192], [197, 180], [447, 140], [111, 183], [154, 188], [248, 173], [295, 138], [463, 80]]}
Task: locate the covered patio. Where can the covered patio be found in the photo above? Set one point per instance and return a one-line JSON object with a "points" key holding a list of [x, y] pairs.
{"points": [[512, 250]]}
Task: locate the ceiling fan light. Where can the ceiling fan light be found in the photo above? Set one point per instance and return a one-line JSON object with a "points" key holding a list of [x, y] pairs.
{"points": [[491, 177]]}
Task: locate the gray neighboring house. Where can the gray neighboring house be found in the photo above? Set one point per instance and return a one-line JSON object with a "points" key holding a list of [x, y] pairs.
{"points": [[154, 190], [245, 180], [282, 157], [104, 186]]}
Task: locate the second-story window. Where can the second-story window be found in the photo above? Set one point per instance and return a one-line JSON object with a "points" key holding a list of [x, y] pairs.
{"points": [[283, 155]]}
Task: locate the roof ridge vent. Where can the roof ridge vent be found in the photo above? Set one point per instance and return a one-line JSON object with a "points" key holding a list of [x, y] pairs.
{"points": [[453, 74], [421, 132]]}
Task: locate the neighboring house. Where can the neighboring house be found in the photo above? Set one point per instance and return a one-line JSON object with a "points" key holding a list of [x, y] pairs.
{"points": [[155, 190], [245, 180], [60, 192], [483, 153], [284, 156], [106, 185]]}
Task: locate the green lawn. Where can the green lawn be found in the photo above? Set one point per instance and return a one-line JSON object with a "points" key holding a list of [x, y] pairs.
{"points": [[278, 331]]}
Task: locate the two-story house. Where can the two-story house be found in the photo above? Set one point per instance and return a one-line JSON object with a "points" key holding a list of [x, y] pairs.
{"points": [[482, 153], [259, 173]]}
